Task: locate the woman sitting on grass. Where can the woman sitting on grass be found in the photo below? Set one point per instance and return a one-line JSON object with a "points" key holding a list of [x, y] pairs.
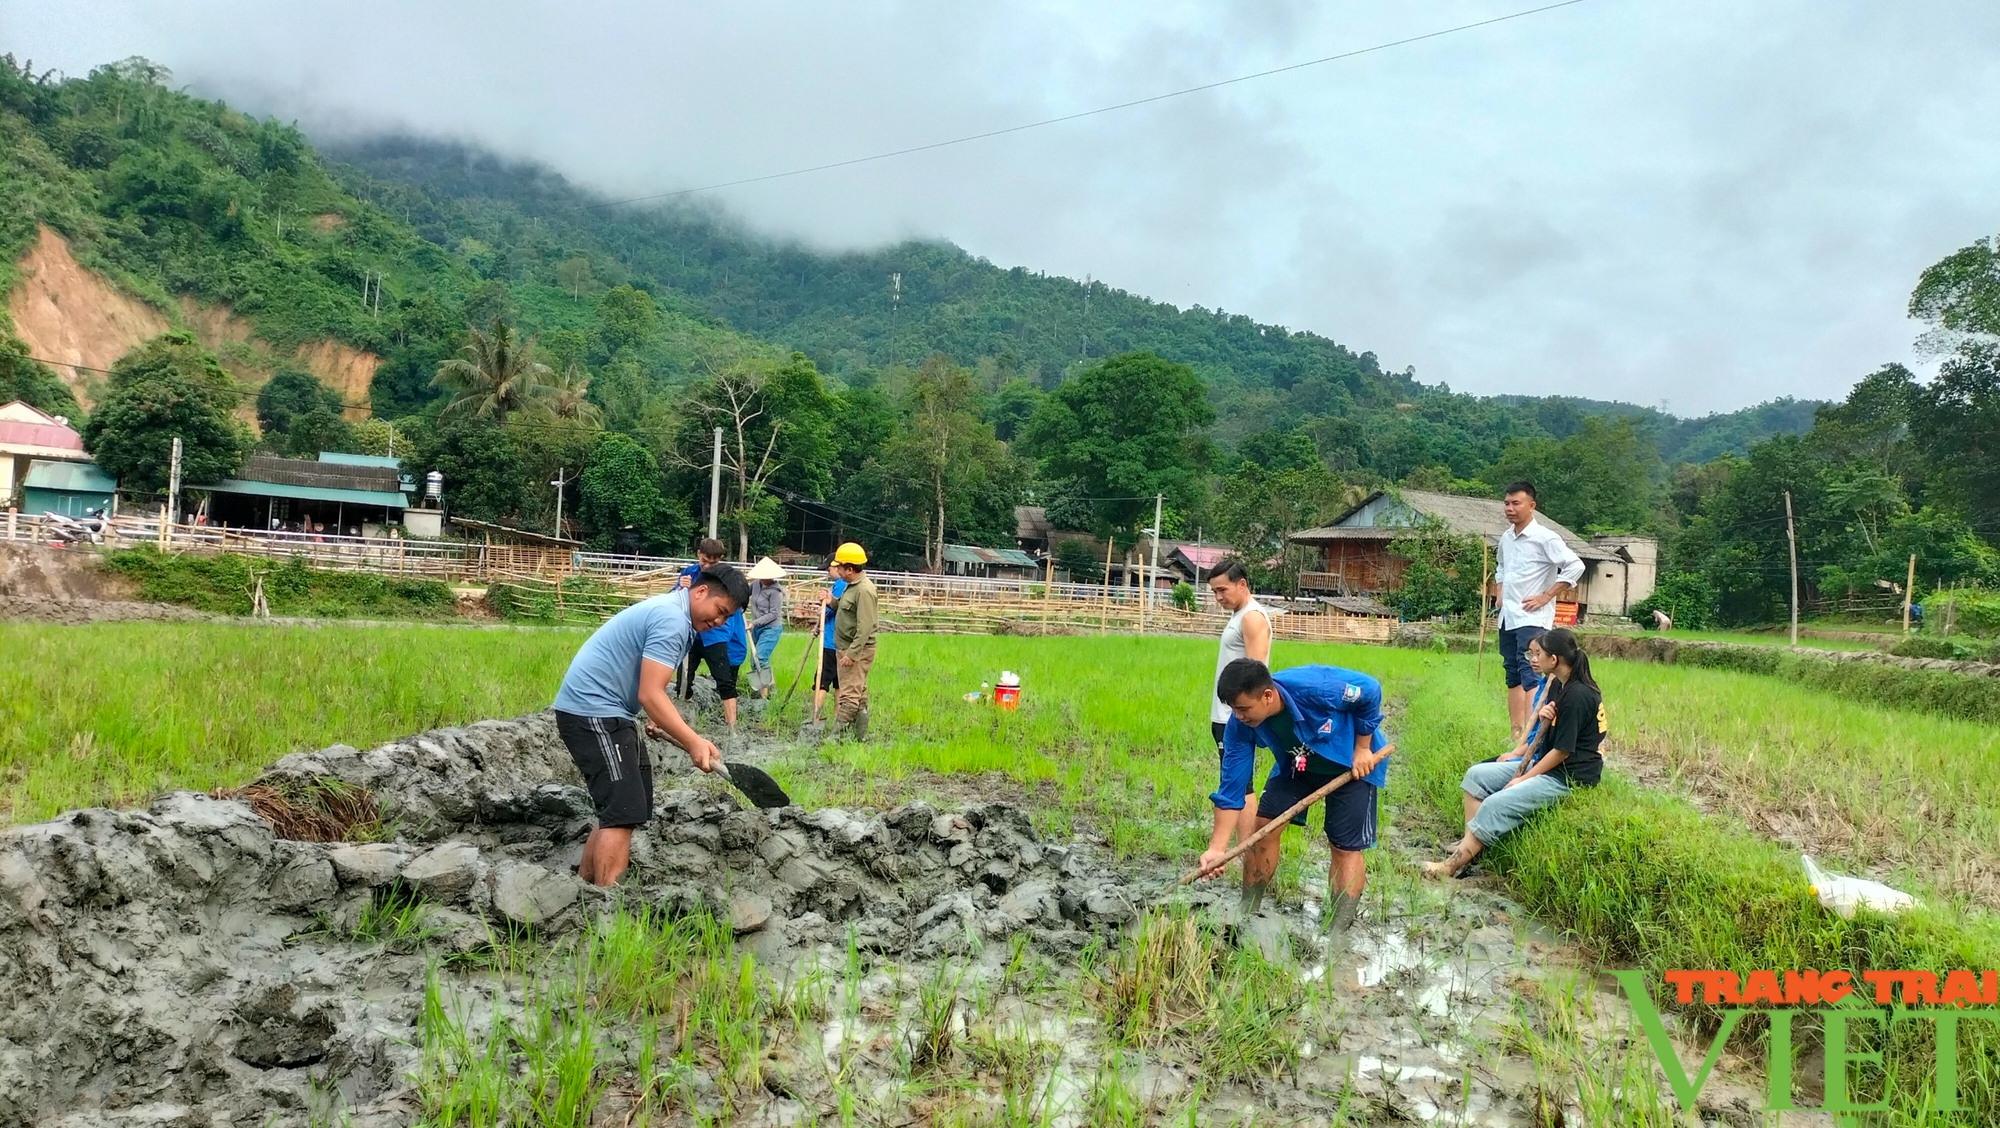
{"points": [[1544, 667], [1500, 796]]}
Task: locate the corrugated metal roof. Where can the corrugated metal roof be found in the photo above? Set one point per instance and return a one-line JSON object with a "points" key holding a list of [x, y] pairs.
{"points": [[78, 477], [977, 554], [391, 499], [319, 475], [1473, 516], [338, 459]]}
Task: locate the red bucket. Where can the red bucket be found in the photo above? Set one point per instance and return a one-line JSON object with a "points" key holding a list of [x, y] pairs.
{"points": [[1007, 697]]}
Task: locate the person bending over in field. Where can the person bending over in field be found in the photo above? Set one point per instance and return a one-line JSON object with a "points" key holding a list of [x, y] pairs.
{"points": [[1500, 796], [1319, 721], [624, 667]]}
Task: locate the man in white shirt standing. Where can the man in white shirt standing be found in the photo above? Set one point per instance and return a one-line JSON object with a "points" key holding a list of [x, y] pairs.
{"points": [[1533, 564], [1246, 635]]}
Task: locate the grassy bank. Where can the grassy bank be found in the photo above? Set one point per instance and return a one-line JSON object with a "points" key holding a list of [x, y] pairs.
{"points": [[227, 585], [1912, 796], [1646, 880], [118, 712]]}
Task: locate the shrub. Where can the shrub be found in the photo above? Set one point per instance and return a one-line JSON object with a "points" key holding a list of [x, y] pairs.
{"points": [[226, 585], [1688, 599], [1184, 596], [1931, 646]]}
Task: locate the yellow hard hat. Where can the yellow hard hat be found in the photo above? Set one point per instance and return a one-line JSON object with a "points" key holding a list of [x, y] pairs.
{"points": [[849, 553]]}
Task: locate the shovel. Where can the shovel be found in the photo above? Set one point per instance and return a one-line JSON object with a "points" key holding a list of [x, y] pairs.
{"points": [[755, 783], [1273, 826]]}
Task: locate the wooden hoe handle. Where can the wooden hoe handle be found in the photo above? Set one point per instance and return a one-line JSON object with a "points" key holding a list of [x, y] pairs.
{"points": [[1274, 825]]}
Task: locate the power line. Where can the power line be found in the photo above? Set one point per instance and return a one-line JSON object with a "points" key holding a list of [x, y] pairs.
{"points": [[1076, 116]]}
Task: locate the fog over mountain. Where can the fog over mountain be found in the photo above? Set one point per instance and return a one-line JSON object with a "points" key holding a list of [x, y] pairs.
{"points": [[1704, 203]]}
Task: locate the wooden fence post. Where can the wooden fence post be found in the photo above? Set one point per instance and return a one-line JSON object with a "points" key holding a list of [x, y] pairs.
{"points": [[1104, 613]]}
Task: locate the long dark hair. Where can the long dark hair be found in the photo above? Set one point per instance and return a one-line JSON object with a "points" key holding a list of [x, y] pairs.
{"points": [[1562, 645]]}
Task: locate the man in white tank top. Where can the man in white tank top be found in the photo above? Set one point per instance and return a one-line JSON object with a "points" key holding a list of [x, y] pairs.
{"points": [[1248, 635]]}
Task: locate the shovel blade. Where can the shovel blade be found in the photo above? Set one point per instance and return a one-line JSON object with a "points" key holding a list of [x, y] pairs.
{"points": [[757, 786]]}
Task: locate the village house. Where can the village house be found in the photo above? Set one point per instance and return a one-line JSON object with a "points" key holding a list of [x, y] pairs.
{"points": [[29, 436], [1354, 556]]}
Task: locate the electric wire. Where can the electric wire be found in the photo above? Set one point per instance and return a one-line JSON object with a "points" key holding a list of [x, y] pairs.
{"points": [[1075, 116]]}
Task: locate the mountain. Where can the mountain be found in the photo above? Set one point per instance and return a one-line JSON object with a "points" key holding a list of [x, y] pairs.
{"points": [[840, 309]]}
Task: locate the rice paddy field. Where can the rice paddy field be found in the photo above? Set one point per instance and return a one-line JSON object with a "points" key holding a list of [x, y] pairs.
{"points": [[1687, 857]]}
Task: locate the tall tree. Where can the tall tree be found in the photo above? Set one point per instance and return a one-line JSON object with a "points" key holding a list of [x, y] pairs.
{"points": [[1126, 428], [945, 447], [170, 387], [621, 488], [495, 375], [568, 397], [775, 420]]}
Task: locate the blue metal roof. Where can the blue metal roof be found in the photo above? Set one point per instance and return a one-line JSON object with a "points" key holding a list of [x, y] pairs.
{"points": [[340, 459], [304, 493], [79, 477]]}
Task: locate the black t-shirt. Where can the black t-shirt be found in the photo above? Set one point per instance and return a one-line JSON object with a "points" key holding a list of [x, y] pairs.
{"points": [[1579, 730], [1286, 743]]}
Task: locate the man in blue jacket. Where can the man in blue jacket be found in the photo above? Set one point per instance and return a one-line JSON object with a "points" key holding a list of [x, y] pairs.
{"points": [[722, 647], [1319, 721]]}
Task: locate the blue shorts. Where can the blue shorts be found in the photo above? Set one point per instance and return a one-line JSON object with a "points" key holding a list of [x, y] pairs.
{"points": [[1350, 810], [1514, 656]]}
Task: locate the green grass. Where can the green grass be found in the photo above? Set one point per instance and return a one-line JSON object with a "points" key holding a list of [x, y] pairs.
{"points": [[1912, 795], [116, 713], [226, 584], [1763, 638]]}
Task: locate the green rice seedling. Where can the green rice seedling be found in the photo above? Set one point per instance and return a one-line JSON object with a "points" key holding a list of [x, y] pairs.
{"points": [[206, 705], [1110, 1101], [558, 1046], [938, 1021], [1177, 981], [465, 1081], [396, 917]]}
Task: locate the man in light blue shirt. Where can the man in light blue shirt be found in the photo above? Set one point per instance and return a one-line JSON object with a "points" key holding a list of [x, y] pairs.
{"points": [[623, 668]]}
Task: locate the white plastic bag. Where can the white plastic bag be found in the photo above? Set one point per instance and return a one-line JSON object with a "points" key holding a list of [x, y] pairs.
{"points": [[1844, 895]]}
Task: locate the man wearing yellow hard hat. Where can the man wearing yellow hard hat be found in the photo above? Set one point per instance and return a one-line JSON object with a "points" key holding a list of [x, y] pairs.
{"points": [[854, 623]]}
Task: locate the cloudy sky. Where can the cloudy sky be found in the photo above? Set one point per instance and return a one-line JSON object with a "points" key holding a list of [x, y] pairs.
{"points": [[1701, 202]]}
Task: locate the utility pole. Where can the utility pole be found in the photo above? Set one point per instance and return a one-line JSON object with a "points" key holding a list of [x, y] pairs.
{"points": [[715, 486], [559, 483], [1197, 568], [174, 483], [1153, 572], [1085, 354], [895, 303], [1792, 538], [1909, 592]]}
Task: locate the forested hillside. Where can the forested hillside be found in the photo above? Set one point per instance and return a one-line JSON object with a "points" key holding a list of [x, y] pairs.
{"points": [[1009, 323], [515, 335]]}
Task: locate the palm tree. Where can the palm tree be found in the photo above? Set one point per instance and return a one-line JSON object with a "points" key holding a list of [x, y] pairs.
{"points": [[565, 397], [497, 376]]}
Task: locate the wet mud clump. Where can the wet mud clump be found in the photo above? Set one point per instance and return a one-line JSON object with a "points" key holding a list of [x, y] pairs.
{"points": [[189, 964]]}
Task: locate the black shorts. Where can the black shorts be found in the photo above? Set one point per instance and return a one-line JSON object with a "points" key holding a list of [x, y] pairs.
{"points": [[612, 757], [1514, 656], [716, 654], [829, 668], [1350, 810]]}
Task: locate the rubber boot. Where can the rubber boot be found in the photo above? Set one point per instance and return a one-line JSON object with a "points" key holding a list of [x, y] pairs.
{"points": [[861, 724]]}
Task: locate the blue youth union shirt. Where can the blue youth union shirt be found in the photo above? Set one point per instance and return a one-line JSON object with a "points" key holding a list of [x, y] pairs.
{"points": [[1330, 709], [826, 631], [603, 678]]}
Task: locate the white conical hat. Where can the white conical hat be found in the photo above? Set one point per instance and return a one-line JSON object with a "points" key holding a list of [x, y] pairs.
{"points": [[767, 569]]}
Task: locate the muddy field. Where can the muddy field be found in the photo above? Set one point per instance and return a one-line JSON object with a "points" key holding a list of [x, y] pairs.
{"points": [[188, 965]]}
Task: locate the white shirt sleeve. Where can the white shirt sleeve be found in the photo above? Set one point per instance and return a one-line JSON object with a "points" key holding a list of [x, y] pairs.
{"points": [[1569, 566]]}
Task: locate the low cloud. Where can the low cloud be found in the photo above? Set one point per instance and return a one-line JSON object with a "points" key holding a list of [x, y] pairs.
{"points": [[1706, 203]]}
